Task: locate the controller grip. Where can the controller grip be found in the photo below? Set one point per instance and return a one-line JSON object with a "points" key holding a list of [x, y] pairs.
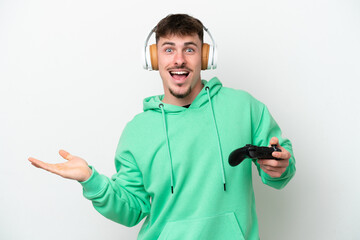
{"points": [[251, 151], [263, 152]]}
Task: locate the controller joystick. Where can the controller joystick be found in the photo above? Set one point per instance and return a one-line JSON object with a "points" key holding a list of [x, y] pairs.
{"points": [[252, 151]]}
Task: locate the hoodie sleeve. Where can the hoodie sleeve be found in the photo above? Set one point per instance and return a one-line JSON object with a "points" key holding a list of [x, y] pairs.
{"points": [[121, 198], [265, 130]]}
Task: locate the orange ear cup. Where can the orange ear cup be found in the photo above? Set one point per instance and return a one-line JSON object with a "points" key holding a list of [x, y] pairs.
{"points": [[204, 56], [153, 57]]}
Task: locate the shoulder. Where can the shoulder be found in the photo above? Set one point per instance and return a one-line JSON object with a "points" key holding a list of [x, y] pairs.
{"points": [[144, 119], [141, 120], [142, 124], [239, 96]]}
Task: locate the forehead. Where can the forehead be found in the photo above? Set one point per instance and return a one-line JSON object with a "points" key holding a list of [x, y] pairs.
{"points": [[179, 39]]}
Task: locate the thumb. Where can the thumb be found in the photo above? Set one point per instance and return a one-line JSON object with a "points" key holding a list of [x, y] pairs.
{"points": [[274, 141], [65, 155]]}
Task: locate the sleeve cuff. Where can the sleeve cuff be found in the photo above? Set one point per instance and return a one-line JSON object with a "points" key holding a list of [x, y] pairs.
{"points": [[95, 183]]}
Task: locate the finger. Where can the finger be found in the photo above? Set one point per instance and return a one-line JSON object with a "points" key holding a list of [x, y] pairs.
{"points": [[274, 163], [284, 154], [274, 173], [273, 169], [40, 164], [65, 154], [37, 163], [274, 141]]}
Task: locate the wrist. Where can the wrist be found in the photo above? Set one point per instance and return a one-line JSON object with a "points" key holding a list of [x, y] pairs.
{"points": [[87, 175]]}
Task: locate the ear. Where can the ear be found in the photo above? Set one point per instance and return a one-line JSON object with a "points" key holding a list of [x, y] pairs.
{"points": [[154, 57], [205, 56]]}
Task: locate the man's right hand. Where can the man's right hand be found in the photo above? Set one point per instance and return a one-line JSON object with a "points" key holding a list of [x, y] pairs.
{"points": [[75, 168]]}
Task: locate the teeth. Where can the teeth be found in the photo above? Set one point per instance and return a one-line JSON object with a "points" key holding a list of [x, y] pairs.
{"points": [[179, 73]]}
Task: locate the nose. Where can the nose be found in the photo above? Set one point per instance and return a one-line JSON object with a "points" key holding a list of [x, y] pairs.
{"points": [[179, 59]]}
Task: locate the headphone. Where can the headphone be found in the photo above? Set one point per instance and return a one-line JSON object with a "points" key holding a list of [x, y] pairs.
{"points": [[208, 54]]}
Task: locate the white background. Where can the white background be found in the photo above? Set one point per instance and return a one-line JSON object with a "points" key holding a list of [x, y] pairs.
{"points": [[71, 77]]}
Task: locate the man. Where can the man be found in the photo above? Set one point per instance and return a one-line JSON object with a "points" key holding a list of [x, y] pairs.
{"points": [[171, 160]]}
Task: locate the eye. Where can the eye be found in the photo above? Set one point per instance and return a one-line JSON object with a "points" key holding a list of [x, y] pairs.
{"points": [[189, 50], [168, 50]]}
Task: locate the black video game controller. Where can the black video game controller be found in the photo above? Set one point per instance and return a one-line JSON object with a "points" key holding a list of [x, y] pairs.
{"points": [[252, 151]]}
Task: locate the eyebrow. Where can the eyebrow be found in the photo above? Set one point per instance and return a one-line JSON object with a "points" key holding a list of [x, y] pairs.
{"points": [[185, 44]]}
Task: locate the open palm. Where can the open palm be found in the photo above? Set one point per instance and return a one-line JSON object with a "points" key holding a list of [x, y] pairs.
{"points": [[75, 168]]}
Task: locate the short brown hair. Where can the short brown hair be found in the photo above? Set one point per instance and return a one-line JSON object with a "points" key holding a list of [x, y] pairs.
{"points": [[180, 25]]}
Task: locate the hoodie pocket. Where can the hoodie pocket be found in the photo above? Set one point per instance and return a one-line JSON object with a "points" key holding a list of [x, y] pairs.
{"points": [[223, 226]]}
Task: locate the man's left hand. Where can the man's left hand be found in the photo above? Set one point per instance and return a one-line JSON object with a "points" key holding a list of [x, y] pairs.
{"points": [[275, 168]]}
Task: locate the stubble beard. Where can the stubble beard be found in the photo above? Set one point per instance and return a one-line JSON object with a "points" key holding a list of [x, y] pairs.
{"points": [[182, 95]]}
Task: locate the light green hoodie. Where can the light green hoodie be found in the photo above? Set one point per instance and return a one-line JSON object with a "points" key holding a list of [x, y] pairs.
{"points": [[172, 168]]}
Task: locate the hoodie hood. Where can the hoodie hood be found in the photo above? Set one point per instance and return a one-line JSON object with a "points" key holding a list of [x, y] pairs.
{"points": [[153, 102]]}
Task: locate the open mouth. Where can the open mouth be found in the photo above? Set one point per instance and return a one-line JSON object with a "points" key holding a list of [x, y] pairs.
{"points": [[179, 74]]}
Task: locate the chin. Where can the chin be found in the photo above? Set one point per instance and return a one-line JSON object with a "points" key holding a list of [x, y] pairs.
{"points": [[180, 94]]}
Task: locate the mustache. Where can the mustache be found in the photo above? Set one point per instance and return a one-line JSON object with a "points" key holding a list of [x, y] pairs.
{"points": [[183, 67]]}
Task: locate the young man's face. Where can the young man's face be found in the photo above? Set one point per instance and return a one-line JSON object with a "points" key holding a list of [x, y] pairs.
{"points": [[179, 60]]}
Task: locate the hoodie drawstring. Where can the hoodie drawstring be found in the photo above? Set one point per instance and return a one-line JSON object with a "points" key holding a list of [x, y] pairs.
{"points": [[218, 138], [161, 106]]}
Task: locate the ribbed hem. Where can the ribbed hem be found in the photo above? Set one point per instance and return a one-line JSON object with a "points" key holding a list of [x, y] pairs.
{"points": [[95, 183]]}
